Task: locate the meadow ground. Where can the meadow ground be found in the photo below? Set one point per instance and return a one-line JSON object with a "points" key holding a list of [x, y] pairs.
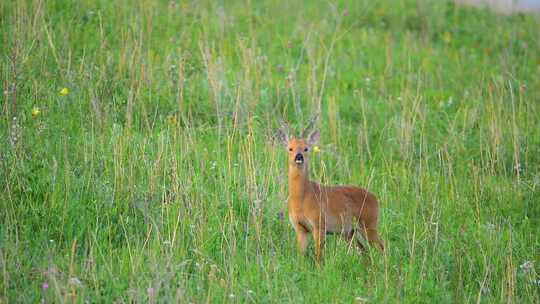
{"points": [[153, 176]]}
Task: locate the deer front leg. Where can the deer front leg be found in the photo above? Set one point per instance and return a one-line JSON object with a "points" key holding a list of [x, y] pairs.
{"points": [[301, 237], [319, 235], [302, 241]]}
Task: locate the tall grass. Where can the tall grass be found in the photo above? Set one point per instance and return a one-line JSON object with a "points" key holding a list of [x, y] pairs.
{"points": [[156, 179]]}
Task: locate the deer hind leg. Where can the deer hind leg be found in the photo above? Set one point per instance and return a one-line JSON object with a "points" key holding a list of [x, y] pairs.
{"points": [[371, 235], [350, 239]]}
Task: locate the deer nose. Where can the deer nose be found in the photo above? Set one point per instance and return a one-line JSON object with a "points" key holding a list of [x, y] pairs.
{"points": [[299, 158]]}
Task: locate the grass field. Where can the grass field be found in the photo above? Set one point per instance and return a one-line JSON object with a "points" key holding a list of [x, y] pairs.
{"points": [[137, 159]]}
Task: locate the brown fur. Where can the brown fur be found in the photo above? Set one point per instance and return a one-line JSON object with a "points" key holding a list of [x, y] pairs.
{"points": [[320, 210]]}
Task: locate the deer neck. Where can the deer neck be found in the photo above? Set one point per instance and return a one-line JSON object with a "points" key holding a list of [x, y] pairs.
{"points": [[298, 182]]}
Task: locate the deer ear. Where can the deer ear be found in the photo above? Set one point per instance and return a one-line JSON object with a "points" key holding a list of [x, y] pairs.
{"points": [[314, 137], [282, 137]]}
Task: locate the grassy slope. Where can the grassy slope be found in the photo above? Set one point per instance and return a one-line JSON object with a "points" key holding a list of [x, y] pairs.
{"points": [[155, 179]]}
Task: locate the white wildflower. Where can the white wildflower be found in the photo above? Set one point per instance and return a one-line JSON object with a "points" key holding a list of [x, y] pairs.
{"points": [[526, 266], [75, 282]]}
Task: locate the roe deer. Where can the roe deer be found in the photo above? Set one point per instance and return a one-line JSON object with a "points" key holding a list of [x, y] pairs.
{"points": [[323, 209]]}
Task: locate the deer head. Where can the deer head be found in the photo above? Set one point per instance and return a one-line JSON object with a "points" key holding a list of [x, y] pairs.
{"points": [[299, 147]]}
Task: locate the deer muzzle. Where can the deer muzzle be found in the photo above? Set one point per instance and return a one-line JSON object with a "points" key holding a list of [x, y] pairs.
{"points": [[299, 159]]}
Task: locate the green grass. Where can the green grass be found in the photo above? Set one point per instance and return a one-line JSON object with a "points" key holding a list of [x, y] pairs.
{"points": [[156, 178]]}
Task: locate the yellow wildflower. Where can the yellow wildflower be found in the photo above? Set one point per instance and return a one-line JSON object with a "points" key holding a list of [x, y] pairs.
{"points": [[171, 119], [447, 37], [64, 91], [316, 149], [35, 112]]}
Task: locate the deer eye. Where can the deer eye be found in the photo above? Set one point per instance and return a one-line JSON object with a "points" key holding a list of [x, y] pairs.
{"points": [[306, 149], [290, 149]]}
